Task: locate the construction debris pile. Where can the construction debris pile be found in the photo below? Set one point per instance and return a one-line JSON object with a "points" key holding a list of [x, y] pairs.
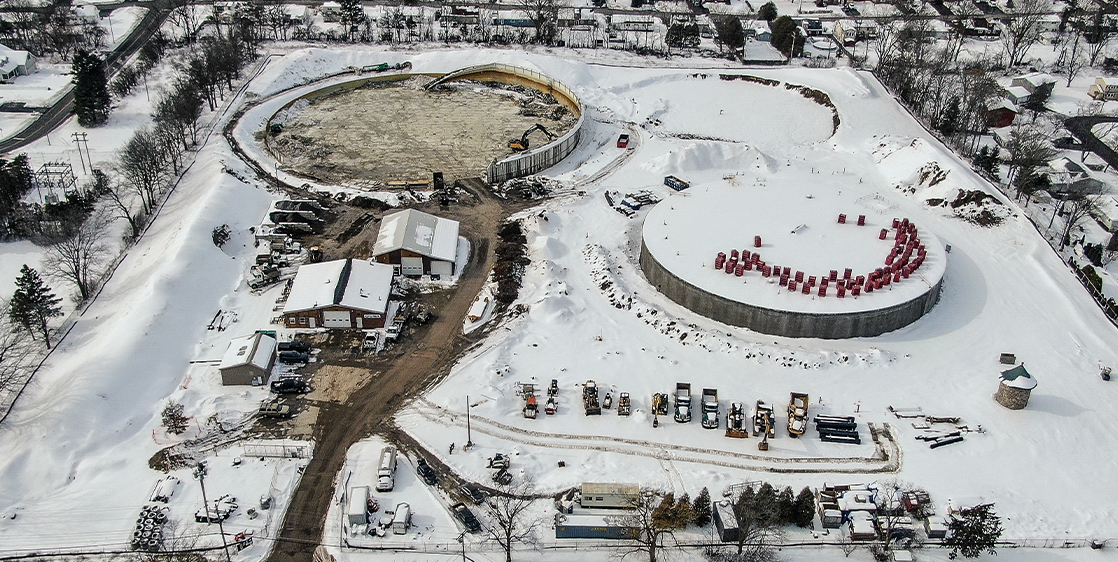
{"points": [[528, 188]]}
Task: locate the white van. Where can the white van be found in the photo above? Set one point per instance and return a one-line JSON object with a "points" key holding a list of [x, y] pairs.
{"points": [[402, 519], [387, 469]]}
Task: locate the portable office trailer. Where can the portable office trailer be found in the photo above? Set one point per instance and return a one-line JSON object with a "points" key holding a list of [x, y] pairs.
{"points": [[725, 521], [609, 495], [357, 508]]}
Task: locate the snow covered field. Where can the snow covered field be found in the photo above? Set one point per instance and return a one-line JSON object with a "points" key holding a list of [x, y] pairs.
{"points": [[79, 440]]}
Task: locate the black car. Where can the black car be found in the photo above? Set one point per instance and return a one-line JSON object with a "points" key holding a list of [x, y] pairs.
{"points": [[294, 345], [293, 357], [476, 495], [425, 472], [290, 386], [467, 518]]}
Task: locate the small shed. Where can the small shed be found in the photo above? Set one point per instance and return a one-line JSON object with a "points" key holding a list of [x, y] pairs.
{"points": [[1015, 388], [596, 494], [417, 243], [1001, 113], [248, 360]]}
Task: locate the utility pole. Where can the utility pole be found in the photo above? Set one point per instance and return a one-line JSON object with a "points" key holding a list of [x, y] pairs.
{"points": [[469, 441], [78, 138], [200, 474]]}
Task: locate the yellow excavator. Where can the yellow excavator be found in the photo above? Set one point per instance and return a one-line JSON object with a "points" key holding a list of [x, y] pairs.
{"points": [[521, 144]]}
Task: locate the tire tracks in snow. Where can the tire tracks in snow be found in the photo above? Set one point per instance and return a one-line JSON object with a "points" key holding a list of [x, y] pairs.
{"points": [[886, 458]]}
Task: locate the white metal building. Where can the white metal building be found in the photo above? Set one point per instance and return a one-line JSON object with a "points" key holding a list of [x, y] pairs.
{"points": [[418, 243]]}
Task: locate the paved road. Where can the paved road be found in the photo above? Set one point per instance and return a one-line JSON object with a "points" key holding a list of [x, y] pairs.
{"points": [[1081, 128], [64, 107]]}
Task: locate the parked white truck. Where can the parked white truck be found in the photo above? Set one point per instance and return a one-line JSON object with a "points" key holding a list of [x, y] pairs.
{"points": [[386, 472]]}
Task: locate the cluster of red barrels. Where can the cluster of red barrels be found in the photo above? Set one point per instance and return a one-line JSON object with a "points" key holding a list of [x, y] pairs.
{"points": [[906, 256]]}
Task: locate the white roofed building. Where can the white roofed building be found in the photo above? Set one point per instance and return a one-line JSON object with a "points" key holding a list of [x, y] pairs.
{"points": [[417, 243], [347, 294], [248, 360], [15, 63]]}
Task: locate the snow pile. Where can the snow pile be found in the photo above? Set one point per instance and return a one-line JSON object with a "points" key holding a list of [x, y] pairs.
{"points": [[702, 155]]}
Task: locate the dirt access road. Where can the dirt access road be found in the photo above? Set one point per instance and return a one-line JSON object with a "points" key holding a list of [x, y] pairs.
{"points": [[370, 408]]}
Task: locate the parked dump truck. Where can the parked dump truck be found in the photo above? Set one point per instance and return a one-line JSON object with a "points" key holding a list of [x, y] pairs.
{"points": [[590, 399], [659, 404], [797, 414], [735, 421], [763, 420], [683, 402], [528, 391], [710, 408], [623, 406]]}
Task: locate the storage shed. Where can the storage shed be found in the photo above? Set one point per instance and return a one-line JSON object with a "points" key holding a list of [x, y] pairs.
{"points": [[1015, 388], [347, 294], [609, 495], [248, 360], [417, 243]]}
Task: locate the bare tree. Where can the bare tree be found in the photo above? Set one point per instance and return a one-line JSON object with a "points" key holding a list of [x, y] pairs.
{"points": [[189, 18], [544, 15], [510, 518], [653, 515], [1028, 149], [16, 354], [1077, 207], [141, 163], [1072, 56], [78, 258], [122, 203], [1097, 33], [1022, 29]]}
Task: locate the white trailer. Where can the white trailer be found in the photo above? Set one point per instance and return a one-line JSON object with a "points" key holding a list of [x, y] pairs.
{"points": [[596, 494], [358, 507]]}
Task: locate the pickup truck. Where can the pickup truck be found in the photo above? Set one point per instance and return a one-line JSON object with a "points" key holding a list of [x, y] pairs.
{"points": [[275, 410]]}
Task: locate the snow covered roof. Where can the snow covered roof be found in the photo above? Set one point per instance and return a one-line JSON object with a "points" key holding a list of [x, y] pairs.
{"points": [[255, 349], [1003, 103], [1017, 92], [1018, 377], [1034, 80], [357, 284], [418, 232], [10, 59]]}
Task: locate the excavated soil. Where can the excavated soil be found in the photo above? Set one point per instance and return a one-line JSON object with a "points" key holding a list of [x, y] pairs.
{"points": [[397, 131]]}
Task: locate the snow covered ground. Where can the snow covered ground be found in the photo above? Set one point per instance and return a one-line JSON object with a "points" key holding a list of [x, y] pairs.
{"points": [[79, 440], [38, 89]]}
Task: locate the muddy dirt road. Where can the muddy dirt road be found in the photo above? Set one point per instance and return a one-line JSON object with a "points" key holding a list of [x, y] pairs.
{"points": [[370, 408]]}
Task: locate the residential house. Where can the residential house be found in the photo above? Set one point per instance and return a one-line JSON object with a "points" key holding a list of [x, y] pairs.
{"points": [[15, 63], [331, 12], [1037, 83], [1103, 90]]}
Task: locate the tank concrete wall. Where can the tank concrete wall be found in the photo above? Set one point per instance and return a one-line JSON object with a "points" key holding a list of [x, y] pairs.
{"points": [[781, 322]]}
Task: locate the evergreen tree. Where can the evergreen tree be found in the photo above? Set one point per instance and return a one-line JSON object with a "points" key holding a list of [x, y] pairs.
{"points": [[684, 512], [730, 32], [949, 125], [91, 89], [767, 12], [973, 531], [701, 507], [805, 508], [786, 506], [33, 304], [174, 418], [786, 36]]}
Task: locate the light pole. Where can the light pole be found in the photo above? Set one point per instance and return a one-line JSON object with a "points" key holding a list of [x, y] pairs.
{"points": [[469, 441], [200, 474]]}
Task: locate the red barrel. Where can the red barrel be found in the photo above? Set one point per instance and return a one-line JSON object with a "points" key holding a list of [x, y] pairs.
{"points": [[857, 290], [842, 218], [822, 290], [859, 280], [766, 272], [729, 267], [906, 272], [869, 287], [756, 241], [791, 284], [889, 260], [745, 255], [834, 275], [883, 235], [719, 262], [739, 270], [841, 292], [799, 277], [806, 289], [811, 280], [748, 266], [846, 273], [733, 254], [783, 280], [861, 222], [897, 277]]}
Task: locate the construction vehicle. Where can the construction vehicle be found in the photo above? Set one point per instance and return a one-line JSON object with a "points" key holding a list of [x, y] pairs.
{"points": [[385, 67], [710, 408], [590, 399], [522, 144], [623, 406], [528, 391], [551, 405], [763, 419], [499, 461], [797, 414], [659, 404], [735, 421], [553, 390], [607, 403], [683, 402]]}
